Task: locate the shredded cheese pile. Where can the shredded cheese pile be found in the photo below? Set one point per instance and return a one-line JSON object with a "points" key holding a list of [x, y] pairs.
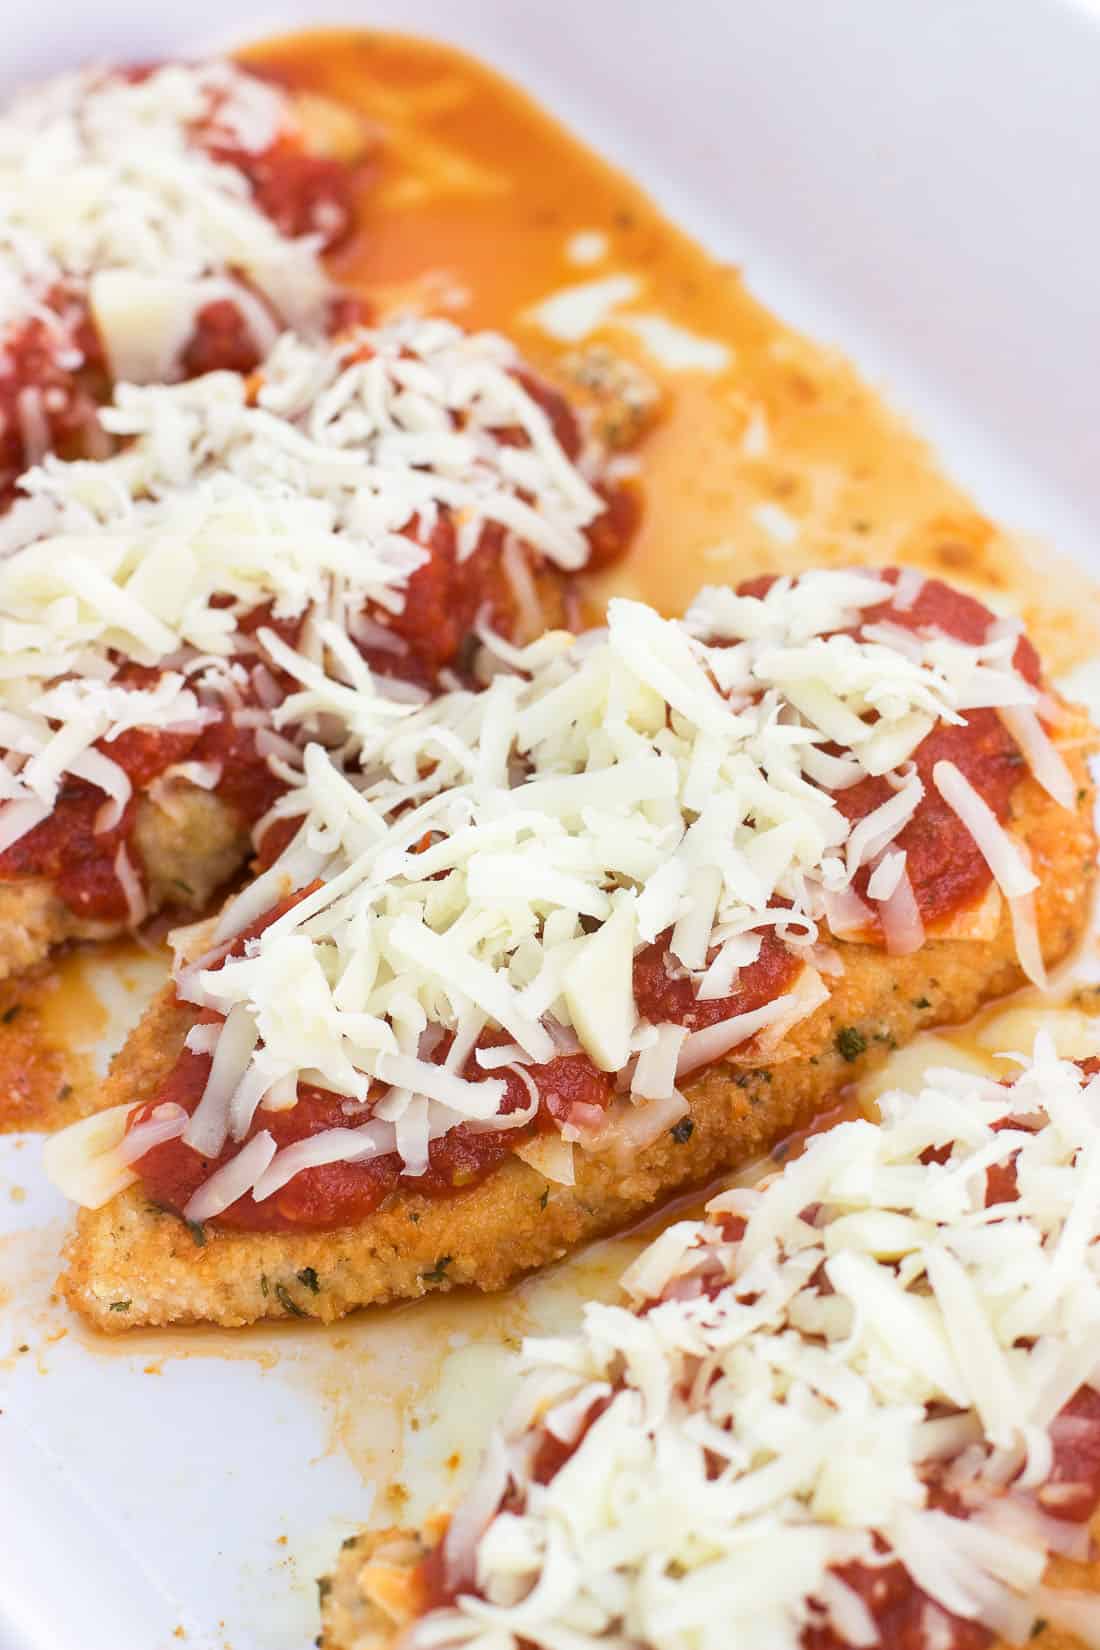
{"points": [[105, 184], [505, 853], [764, 1404], [319, 497]]}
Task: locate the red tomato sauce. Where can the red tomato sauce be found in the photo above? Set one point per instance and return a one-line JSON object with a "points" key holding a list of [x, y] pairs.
{"points": [[302, 193], [79, 860], [570, 1090], [63, 369], [944, 864], [60, 366], [1072, 1491], [68, 850], [944, 874], [897, 1604], [339, 1194], [665, 992], [899, 1607]]}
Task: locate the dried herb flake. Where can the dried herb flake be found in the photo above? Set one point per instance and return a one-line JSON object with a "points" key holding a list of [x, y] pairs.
{"points": [[850, 1043], [288, 1303]]}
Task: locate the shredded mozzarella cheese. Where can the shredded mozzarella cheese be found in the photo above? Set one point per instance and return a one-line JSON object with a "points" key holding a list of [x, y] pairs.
{"points": [[318, 496], [504, 855], [740, 1434], [109, 185]]}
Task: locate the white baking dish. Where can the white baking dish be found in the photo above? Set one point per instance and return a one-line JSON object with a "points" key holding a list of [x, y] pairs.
{"points": [[914, 182]]}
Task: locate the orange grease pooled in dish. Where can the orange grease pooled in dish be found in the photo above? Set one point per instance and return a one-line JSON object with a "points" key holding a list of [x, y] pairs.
{"points": [[56, 1028], [472, 209], [44, 1081]]}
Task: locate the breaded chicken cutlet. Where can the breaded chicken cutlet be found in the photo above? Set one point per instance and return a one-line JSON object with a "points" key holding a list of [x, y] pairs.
{"points": [[269, 560], [466, 1023], [376, 1592], [199, 198], [846, 1407]]}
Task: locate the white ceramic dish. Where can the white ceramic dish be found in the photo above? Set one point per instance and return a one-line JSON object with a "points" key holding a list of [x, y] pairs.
{"points": [[913, 182]]}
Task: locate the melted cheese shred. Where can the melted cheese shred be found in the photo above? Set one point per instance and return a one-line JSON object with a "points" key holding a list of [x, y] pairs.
{"points": [[108, 188], [316, 492], [502, 856], [763, 1409]]}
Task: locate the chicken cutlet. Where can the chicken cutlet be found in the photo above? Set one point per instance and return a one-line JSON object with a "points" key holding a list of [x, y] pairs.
{"points": [[580, 939]]}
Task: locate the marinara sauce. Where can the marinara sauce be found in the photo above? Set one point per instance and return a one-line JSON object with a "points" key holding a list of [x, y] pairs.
{"points": [[944, 864]]}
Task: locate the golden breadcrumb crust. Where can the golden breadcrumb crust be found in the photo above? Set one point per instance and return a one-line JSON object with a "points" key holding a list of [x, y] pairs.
{"points": [[516, 1219], [190, 845]]}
